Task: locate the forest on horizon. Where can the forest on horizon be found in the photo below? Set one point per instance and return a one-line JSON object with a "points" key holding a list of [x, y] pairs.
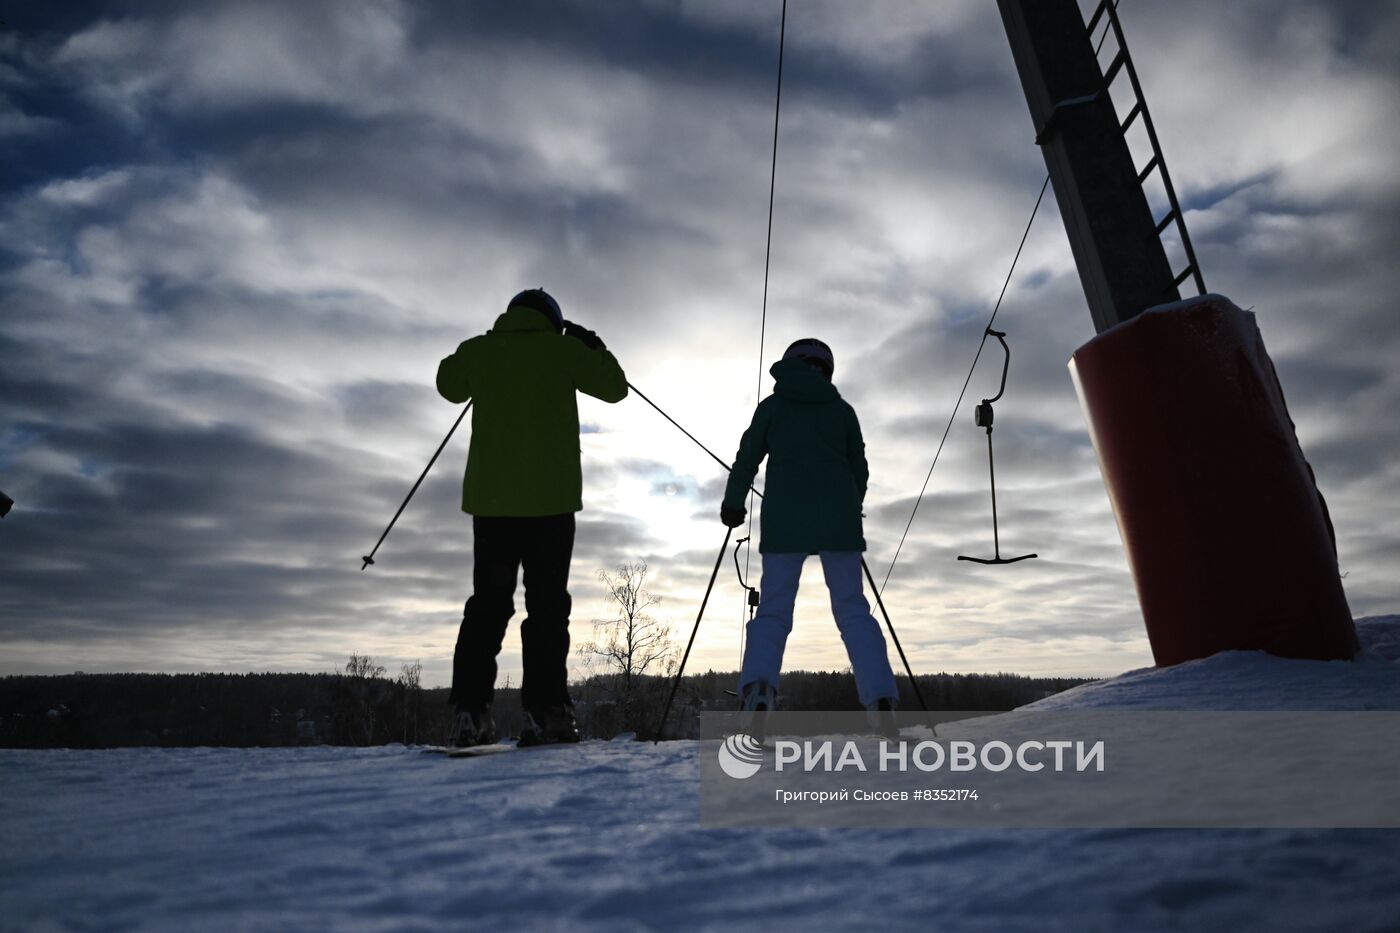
{"points": [[360, 705]]}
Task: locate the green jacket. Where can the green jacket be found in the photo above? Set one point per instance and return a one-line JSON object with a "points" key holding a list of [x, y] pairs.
{"points": [[522, 375], [817, 472]]}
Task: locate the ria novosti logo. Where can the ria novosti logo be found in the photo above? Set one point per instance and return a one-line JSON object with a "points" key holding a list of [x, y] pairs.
{"points": [[740, 756]]}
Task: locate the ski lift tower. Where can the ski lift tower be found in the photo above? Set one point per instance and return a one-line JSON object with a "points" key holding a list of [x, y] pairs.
{"points": [[1228, 537]]}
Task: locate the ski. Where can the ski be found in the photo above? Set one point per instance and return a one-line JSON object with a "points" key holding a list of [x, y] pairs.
{"points": [[468, 751], [495, 748], [477, 751]]}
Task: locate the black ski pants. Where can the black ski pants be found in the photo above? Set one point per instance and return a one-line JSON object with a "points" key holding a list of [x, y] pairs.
{"points": [[543, 547]]}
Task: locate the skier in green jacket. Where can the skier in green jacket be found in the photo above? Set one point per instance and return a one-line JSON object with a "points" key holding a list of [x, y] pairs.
{"points": [[813, 492], [523, 485]]}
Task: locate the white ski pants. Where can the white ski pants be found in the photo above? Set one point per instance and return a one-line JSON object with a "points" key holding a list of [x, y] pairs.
{"points": [[768, 632]]}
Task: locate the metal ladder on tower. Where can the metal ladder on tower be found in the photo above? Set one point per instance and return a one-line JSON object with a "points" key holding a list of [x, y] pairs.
{"points": [[1123, 61]]}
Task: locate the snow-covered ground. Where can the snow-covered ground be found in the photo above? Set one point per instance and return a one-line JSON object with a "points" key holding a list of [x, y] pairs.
{"points": [[606, 836]]}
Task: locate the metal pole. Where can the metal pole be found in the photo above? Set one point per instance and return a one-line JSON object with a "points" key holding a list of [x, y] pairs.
{"points": [[1112, 233], [992, 468]]}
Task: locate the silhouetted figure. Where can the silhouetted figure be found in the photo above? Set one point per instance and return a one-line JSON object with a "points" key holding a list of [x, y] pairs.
{"points": [[522, 487], [813, 492]]}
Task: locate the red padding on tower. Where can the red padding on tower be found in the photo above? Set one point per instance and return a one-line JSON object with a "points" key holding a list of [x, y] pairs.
{"points": [[1227, 535]]}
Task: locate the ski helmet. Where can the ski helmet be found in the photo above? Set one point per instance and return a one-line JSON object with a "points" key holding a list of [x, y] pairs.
{"points": [[541, 301], [814, 353]]}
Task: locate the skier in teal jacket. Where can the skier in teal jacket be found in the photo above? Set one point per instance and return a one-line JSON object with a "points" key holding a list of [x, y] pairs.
{"points": [[813, 492]]}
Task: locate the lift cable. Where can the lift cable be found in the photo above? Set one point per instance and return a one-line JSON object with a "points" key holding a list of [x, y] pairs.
{"points": [[767, 261], [966, 382], [986, 331]]}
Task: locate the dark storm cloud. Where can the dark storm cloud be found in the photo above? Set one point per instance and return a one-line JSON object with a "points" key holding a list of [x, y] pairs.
{"points": [[149, 510], [236, 238], [736, 51]]}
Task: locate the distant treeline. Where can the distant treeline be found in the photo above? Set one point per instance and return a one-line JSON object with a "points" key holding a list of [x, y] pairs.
{"points": [[117, 710], [363, 707]]}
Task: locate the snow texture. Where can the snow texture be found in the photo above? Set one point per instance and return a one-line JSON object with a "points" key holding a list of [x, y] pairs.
{"points": [[605, 836]]}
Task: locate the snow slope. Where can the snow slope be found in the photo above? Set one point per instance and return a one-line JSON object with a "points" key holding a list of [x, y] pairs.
{"points": [[605, 836], [1253, 680]]}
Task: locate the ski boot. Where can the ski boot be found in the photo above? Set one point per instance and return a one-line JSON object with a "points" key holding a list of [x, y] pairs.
{"points": [[549, 726], [756, 699], [881, 716], [473, 727]]}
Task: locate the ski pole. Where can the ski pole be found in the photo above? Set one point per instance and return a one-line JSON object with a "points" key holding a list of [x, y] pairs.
{"points": [[663, 414], [879, 601], [700, 615], [369, 558]]}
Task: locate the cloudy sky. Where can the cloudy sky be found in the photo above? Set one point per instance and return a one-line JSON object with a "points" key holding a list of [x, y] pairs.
{"points": [[237, 237]]}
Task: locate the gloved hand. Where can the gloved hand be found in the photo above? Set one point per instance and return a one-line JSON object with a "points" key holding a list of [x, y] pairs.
{"points": [[732, 518], [584, 336]]}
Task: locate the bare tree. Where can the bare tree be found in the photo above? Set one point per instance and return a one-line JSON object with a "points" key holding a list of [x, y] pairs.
{"points": [[410, 682], [633, 643], [363, 666], [357, 690]]}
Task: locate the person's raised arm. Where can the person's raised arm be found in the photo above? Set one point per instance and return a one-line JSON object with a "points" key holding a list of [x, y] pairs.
{"points": [[595, 370], [453, 377]]}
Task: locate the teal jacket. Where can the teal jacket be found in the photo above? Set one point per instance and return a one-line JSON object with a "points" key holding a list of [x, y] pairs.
{"points": [[522, 376], [817, 473]]}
